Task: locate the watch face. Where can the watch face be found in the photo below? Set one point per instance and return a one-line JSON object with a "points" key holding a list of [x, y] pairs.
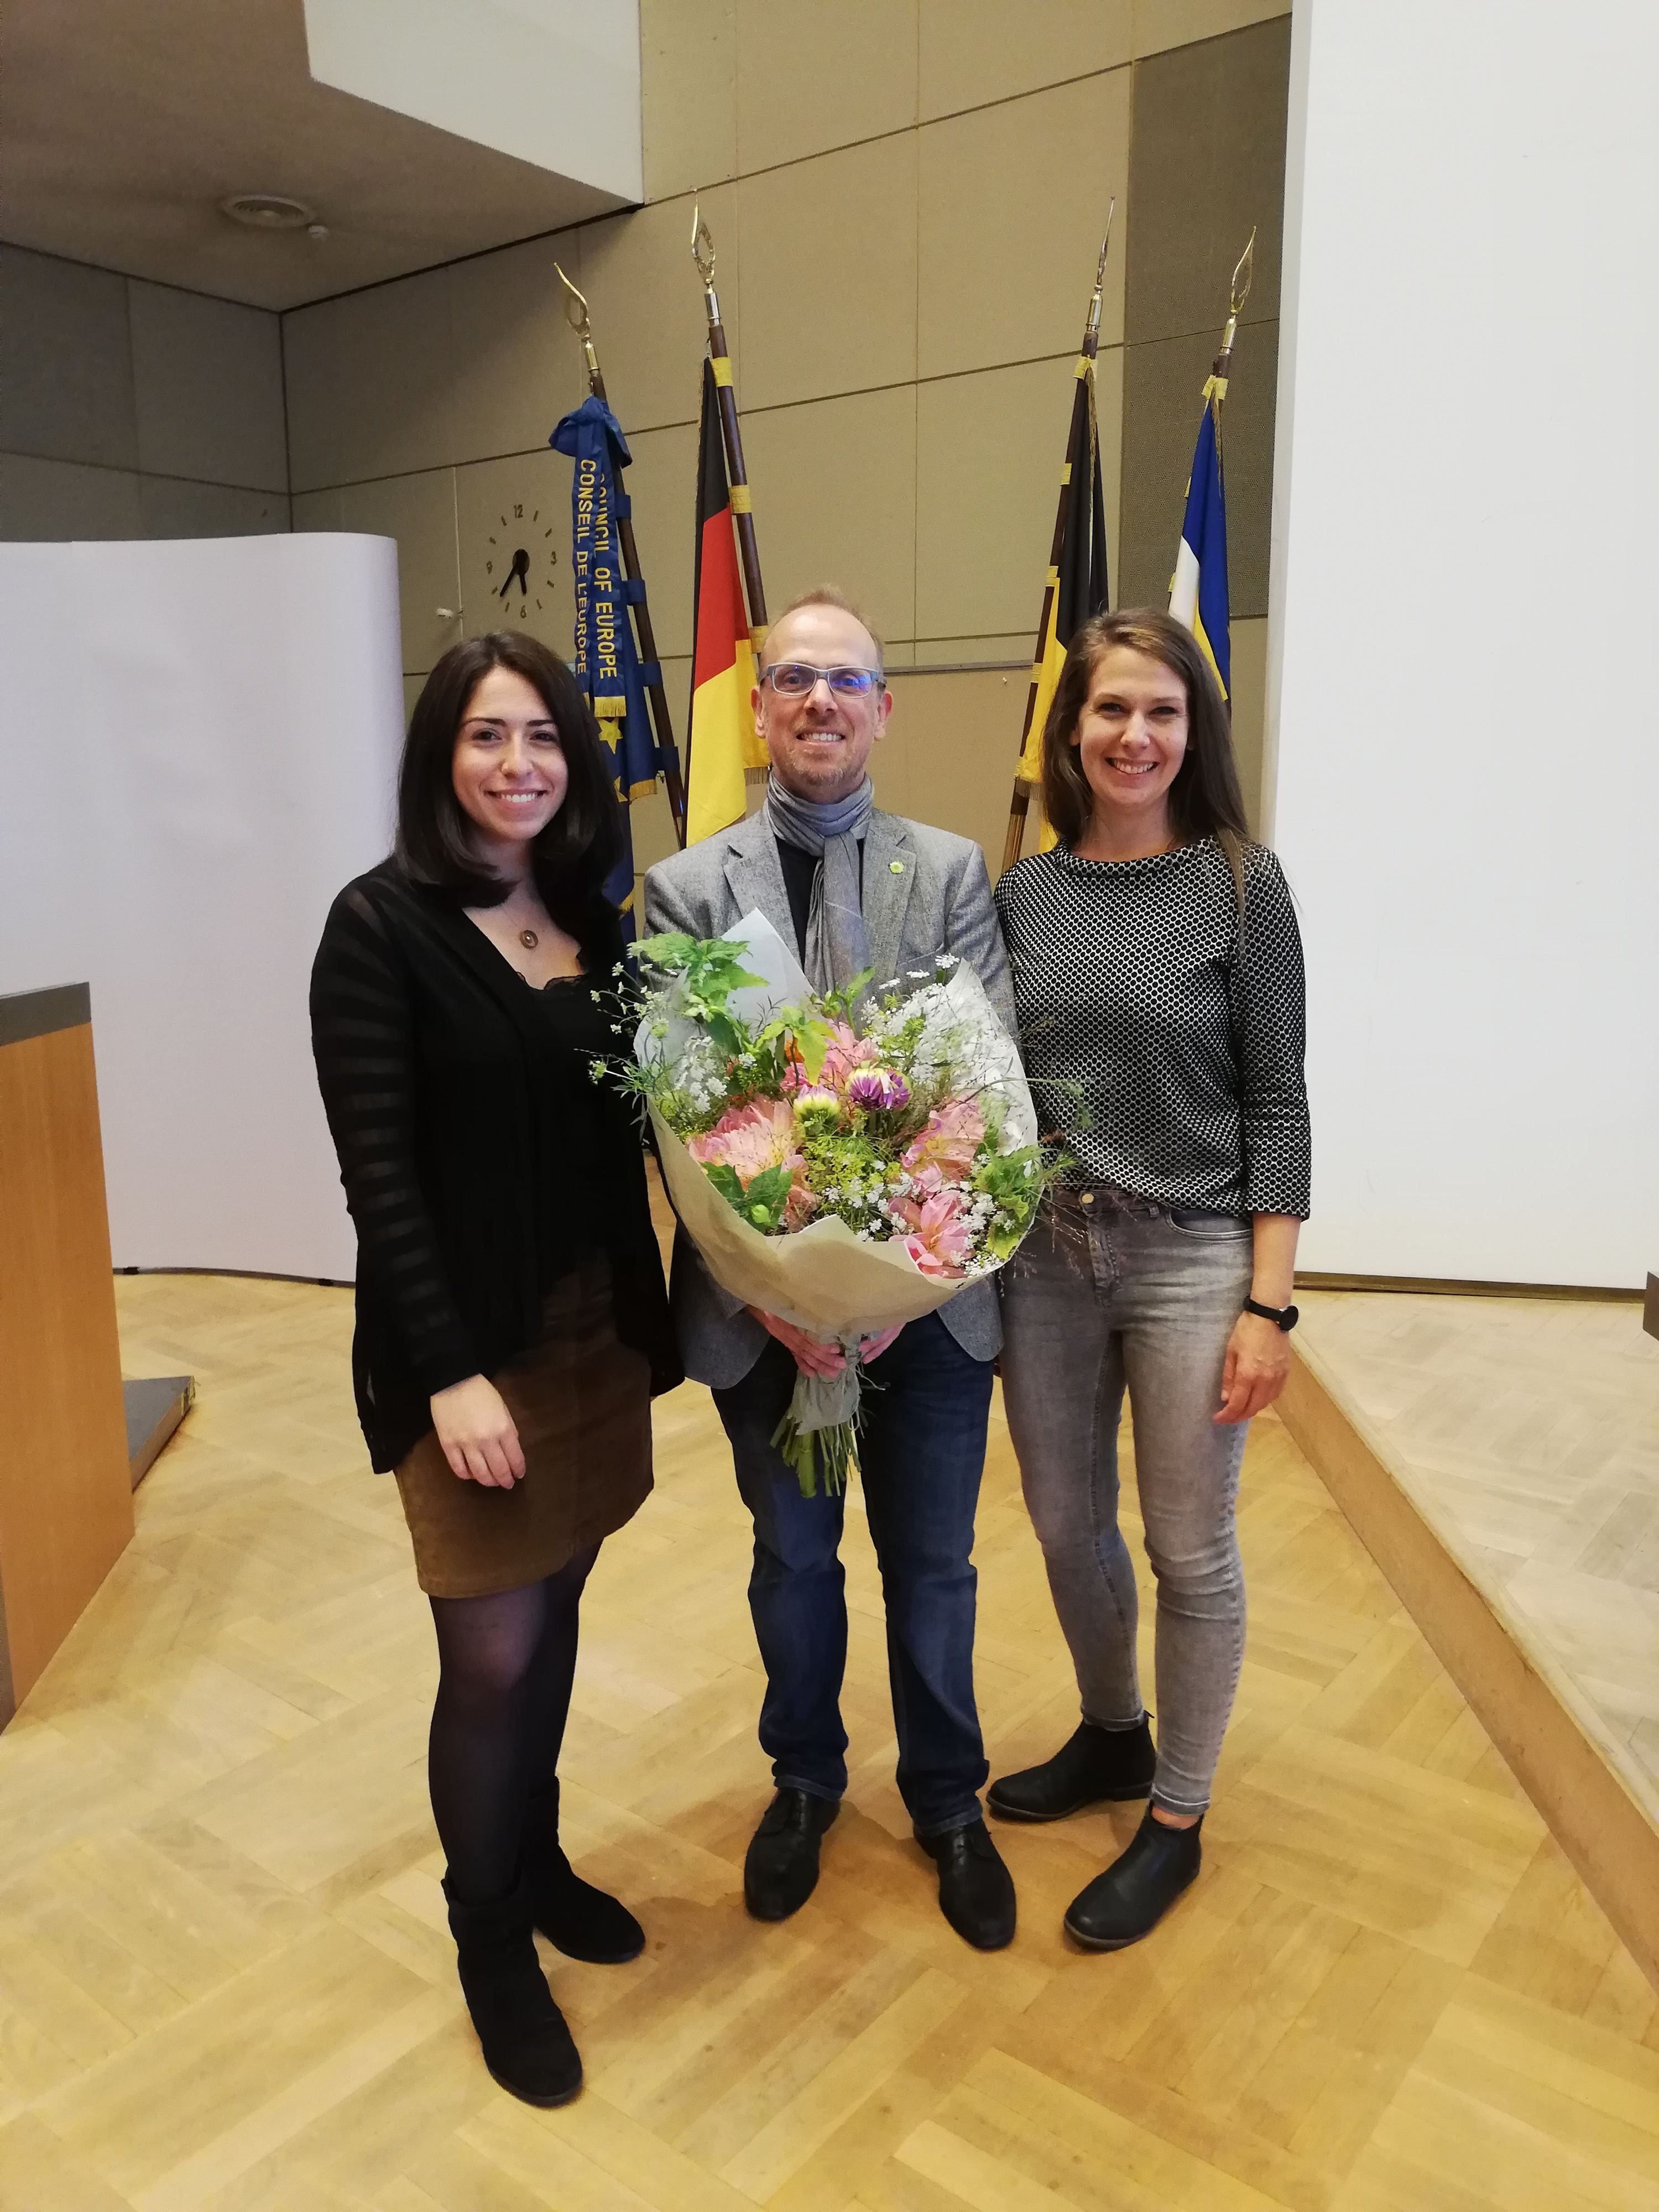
{"points": [[519, 561]]}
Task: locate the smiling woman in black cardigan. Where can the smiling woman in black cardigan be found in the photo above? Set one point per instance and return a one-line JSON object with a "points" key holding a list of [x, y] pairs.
{"points": [[512, 1319]]}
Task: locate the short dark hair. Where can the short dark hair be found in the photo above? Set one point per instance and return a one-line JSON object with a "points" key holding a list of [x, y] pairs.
{"points": [[1205, 800], [577, 850]]}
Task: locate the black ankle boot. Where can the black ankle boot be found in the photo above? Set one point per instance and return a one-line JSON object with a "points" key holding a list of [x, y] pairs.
{"points": [[1097, 1766], [1129, 1901], [582, 1921], [526, 2045]]}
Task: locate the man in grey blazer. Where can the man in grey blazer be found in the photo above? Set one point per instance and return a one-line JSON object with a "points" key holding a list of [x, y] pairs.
{"points": [[854, 889]]}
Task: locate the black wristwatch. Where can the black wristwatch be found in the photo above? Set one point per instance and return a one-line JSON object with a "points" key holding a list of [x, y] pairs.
{"points": [[1284, 1317]]}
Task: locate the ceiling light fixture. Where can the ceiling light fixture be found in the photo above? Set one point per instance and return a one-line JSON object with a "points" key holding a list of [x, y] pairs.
{"points": [[268, 211]]}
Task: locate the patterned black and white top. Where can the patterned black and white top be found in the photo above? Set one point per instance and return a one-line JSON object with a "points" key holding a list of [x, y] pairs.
{"points": [[1183, 1026]]}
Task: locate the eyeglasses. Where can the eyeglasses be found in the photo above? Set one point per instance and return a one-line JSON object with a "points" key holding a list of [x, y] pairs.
{"points": [[794, 680]]}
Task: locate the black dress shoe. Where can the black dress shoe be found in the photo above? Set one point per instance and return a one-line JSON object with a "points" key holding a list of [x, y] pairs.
{"points": [[781, 1867], [1129, 1901], [1096, 1766], [976, 1889], [576, 1918]]}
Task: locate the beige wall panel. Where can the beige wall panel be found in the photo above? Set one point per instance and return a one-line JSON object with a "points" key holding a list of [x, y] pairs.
{"points": [[816, 74], [371, 383], [1249, 703], [662, 484], [522, 502], [649, 327], [318, 510], [1012, 206], [419, 512], [59, 500], [1013, 645], [173, 506], [1160, 24], [208, 388], [989, 450], [949, 755], [518, 364], [973, 52], [688, 93], [830, 274], [412, 692], [834, 501], [65, 361]]}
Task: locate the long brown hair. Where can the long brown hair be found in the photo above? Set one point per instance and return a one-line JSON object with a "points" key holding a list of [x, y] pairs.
{"points": [[1205, 800]]}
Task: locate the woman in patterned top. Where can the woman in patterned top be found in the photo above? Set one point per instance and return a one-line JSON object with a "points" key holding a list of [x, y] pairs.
{"points": [[1157, 973], [511, 1317]]}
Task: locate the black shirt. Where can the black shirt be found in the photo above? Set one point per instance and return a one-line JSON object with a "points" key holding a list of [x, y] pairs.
{"points": [[479, 1160]]}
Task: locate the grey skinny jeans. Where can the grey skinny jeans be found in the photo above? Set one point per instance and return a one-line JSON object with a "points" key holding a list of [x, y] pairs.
{"points": [[1112, 1292]]}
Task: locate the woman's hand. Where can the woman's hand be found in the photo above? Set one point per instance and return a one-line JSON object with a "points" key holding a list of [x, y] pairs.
{"points": [[811, 1353], [477, 1432], [871, 1347], [1253, 1374]]}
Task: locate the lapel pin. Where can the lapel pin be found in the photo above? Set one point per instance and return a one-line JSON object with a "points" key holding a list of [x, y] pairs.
{"points": [[895, 867]]}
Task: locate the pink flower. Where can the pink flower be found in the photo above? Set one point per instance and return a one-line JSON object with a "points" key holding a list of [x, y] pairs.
{"points": [[939, 1240], [845, 1051], [750, 1139], [949, 1140]]}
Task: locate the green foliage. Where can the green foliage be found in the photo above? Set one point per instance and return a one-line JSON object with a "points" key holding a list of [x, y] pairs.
{"points": [[1014, 1181], [761, 1202]]}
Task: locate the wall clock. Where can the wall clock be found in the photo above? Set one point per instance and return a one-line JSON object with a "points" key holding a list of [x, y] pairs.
{"points": [[520, 560]]}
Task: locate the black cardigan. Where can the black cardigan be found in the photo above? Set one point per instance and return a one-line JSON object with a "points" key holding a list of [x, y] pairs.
{"points": [[432, 1055]]}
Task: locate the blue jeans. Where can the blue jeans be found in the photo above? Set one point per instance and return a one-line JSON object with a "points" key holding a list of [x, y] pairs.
{"points": [[1102, 1297], [920, 1455]]}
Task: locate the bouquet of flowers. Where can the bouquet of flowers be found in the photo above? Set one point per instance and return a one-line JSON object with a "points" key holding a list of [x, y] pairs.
{"points": [[847, 1162]]}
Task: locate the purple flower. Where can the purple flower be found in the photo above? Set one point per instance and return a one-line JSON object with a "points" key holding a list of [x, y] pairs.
{"points": [[878, 1088]]}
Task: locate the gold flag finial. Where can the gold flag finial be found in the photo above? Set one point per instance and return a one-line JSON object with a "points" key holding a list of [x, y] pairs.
{"points": [[1243, 272], [1100, 270], [576, 312]]}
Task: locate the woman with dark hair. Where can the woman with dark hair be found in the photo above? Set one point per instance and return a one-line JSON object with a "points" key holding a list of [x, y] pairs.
{"points": [[512, 1319], [1158, 974]]}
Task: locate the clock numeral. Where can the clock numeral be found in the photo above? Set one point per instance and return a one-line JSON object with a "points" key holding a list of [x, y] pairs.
{"points": [[489, 567], [518, 511]]}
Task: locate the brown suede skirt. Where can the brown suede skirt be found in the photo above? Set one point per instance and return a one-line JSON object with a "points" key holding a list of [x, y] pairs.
{"points": [[580, 1400]]}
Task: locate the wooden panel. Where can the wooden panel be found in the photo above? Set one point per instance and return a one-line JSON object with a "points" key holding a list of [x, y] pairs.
{"points": [[1531, 1713], [65, 1503]]}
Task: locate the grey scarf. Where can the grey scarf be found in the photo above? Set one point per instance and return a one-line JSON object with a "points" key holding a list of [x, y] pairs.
{"points": [[837, 943]]}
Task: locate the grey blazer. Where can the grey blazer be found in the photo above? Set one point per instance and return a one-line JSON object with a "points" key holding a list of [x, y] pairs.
{"points": [[925, 892]]}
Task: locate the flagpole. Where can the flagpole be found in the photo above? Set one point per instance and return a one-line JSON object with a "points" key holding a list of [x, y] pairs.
{"points": [[1020, 803], [1215, 390], [703, 252], [575, 308]]}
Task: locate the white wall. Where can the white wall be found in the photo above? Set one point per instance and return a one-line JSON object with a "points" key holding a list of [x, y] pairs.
{"points": [[198, 746], [552, 82], [1466, 571]]}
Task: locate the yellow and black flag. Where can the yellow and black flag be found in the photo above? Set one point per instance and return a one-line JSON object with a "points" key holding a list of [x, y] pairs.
{"points": [[1076, 588], [722, 742]]}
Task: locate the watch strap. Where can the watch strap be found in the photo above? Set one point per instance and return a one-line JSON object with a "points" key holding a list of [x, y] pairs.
{"points": [[1284, 1317]]}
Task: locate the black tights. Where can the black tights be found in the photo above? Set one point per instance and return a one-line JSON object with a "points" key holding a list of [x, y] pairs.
{"points": [[506, 1665]]}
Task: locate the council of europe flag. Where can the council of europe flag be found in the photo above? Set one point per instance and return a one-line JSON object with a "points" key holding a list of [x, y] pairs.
{"points": [[605, 660], [1198, 593]]}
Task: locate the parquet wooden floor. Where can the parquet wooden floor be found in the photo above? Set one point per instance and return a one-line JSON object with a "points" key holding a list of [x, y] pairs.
{"points": [[1527, 1431], [226, 1983]]}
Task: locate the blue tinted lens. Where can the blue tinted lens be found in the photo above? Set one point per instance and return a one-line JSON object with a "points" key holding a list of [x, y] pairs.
{"points": [[859, 680], [797, 678]]}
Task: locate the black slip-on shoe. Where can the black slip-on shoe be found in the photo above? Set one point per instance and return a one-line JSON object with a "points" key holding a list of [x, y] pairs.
{"points": [[1094, 1766], [781, 1867], [976, 1889], [1129, 1901], [526, 2045], [576, 1918]]}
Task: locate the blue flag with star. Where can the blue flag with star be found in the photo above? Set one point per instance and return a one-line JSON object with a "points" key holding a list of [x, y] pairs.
{"points": [[605, 659]]}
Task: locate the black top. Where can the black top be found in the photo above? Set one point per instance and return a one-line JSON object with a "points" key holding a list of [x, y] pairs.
{"points": [[800, 871], [480, 1161], [1182, 1023]]}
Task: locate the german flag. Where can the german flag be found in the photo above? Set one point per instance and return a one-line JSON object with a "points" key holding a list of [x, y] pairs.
{"points": [[721, 740], [1077, 587]]}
